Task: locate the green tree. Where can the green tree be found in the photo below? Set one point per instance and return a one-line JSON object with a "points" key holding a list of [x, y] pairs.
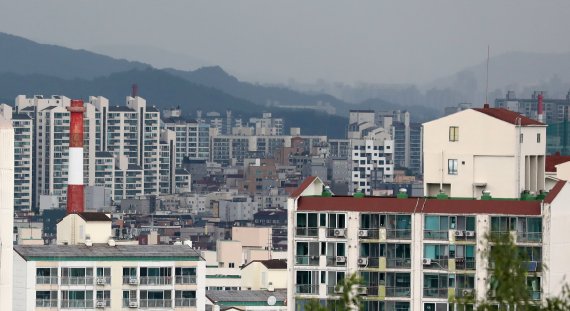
{"points": [[350, 299]]}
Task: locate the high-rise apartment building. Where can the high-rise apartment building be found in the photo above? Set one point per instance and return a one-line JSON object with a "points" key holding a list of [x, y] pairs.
{"points": [[6, 212], [192, 137], [23, 154], [418, 253]]}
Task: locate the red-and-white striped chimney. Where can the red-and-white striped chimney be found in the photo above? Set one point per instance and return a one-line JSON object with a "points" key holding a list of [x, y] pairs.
{"points": [[540, 108], [75, 192]]}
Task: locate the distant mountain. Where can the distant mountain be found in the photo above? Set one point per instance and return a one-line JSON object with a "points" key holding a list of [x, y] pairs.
{"points": [[22, 56], [518, 71]]}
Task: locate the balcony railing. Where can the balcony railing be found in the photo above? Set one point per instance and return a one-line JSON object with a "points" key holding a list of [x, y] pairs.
{"points": [[436, 234], [435, 292], [306, 289], [185, 302], [336, 233], [441, 263], [155, 303], [80, 280], [102, 280], [128, 302], [398, 263], [529, 237], [534, 294], [373, 234], [399, 234], [372, 262], [76, 304], [398, 291], [465, 293], [307, 260], [130, 280], [46, 279], [333, 262], [155, 280], [306, 232], [185, 279], [465, 263], [46, 303]]}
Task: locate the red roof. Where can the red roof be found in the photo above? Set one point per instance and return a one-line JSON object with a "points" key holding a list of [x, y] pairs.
{"points": [[554, 191], [419, 205], [508, 116], [306, 183], [553, 160]]}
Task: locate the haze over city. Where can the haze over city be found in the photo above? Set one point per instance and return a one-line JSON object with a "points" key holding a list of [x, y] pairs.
{"points": [[271, 42]]}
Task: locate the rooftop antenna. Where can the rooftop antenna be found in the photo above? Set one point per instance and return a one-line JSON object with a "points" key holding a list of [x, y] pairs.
{"points": [[487, 79]]}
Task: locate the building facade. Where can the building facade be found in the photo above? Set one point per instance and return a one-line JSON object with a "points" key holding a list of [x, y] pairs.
{"points": [[6, 211], [418, 253]]}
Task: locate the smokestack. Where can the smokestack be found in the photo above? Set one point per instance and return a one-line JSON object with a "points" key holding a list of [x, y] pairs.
{"points": [[540, 108], [134, 90], [75, 169]]}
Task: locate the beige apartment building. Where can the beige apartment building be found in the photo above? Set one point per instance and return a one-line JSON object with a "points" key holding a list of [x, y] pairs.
{"points": [[484, 149]]}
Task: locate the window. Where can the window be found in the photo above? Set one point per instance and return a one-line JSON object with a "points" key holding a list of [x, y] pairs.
{"points": [[103, 296], [185, 298], [521, 138], [452, 166], [538, 137], [454, 133], [231, 265]]}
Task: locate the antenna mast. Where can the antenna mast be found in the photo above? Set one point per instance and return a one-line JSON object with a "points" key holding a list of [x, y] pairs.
{"points": [[487, 78]]}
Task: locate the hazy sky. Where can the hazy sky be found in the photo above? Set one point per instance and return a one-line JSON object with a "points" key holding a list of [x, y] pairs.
{"points": [[349, 41]]}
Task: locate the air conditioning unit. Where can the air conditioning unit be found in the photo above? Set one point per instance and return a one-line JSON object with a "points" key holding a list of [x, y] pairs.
{"points": [[363, 261], [467, 292], [100, 304], [133, 281], [339, 232], [363, 233], [458, 233], [101, 281], [133, 304], [426, 261], [362, 290], [470, 233], [340, 259]]}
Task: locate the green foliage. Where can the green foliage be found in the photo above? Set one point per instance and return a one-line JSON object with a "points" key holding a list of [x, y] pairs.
{"points": [[349, 299]]}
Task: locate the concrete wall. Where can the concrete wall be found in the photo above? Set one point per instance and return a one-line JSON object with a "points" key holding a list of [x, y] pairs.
{"points": [[6, 212], [252, 236]]}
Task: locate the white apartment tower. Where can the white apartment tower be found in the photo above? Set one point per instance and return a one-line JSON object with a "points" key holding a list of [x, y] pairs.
{"points": [[484, 149], [6, 212], [192, 137]]}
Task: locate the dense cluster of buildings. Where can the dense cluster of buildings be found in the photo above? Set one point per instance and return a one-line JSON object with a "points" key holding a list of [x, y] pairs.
{"points": [[215, 213]]}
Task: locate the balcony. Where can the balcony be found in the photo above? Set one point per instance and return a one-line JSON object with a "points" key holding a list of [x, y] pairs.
{"points": [[103, 280], [185, 279], [132, 280], [371, 234], [529, 237], [77, 304], [399, 234], [46, 303], [308, 289], [306, 232], [436, 234], [398, 291], [155, 303], [79, 280], [185, 302], [435, 292], [398, 263], [46, 280], [465, 293], [307, 260], [336, 261], [155, 280], [339, 233], [441, 264], [465, 263]]}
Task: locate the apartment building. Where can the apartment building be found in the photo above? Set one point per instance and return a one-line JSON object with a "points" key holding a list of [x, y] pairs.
{"points": [[233, 149], [372, 163], [107, 276], [6, 211], [111, 135], [192, 137], [484, 149], [23, 143], [418, 253]]}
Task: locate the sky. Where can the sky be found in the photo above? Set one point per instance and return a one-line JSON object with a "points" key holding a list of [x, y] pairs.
{"points": [[391, 42]]}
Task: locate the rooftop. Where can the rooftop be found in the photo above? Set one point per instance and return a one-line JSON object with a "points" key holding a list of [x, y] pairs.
{"points": [[271, 264], [508, 116], [106, 252], [94, 216], [552, 160], [221, 296]]}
